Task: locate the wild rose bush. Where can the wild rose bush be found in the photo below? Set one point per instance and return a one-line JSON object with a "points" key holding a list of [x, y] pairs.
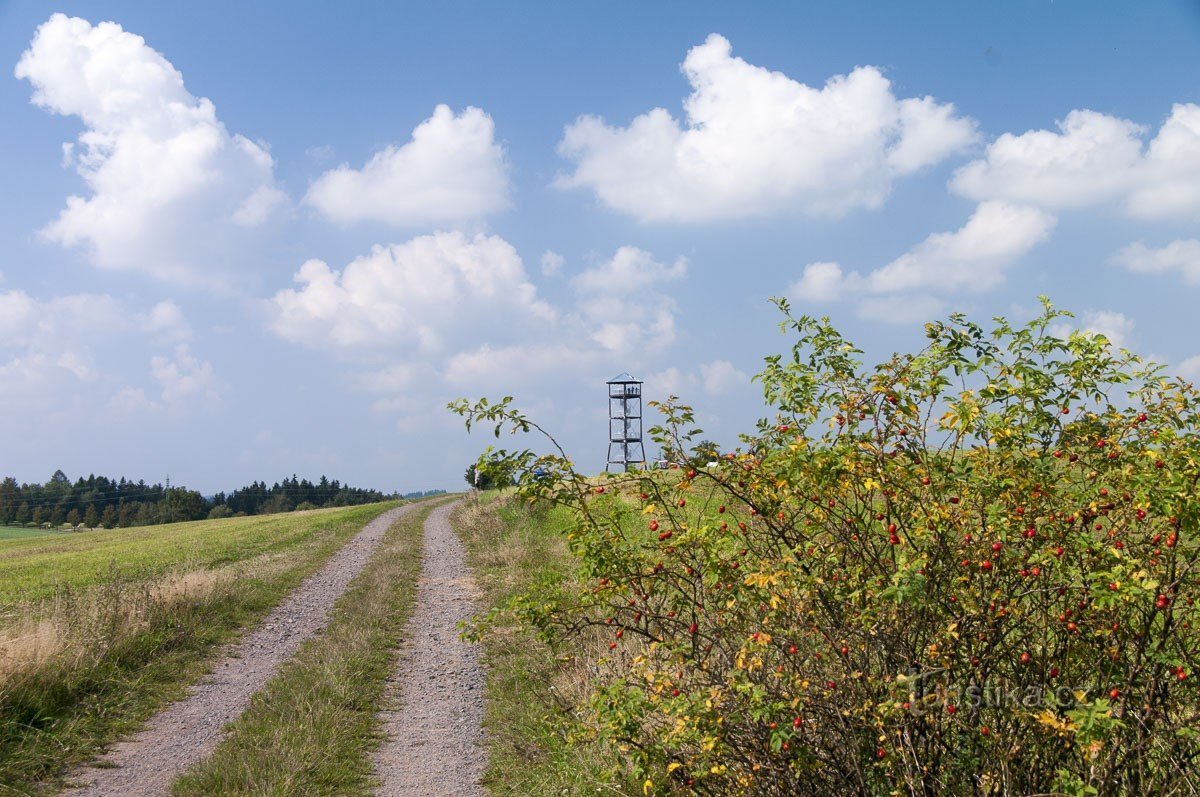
{"points": [[969, 570]]}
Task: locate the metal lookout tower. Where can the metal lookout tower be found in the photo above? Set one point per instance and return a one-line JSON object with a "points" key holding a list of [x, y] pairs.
{"points": [[625, 422]]}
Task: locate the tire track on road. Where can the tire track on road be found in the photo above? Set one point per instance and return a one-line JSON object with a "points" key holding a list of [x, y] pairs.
{"points": [[434, 737]]}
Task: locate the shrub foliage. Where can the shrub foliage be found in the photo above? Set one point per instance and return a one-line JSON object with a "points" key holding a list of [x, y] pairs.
{"points": [[968, 570]]}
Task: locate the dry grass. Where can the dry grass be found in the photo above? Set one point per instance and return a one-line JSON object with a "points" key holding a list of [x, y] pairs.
{"points": [[75, 626]]}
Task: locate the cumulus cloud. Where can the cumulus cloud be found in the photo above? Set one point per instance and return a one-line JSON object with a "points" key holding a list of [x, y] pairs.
{"points": [[499, 367], [426, 294], [900, 309], [184, 378], [171, 191], [449, 293], [822, 282], [973, 258], [620, 303], [720, 377], [756, 142], [167, 321], [1181, 257], [1189, 369], [1116, 327], [450, 313], [1094, 159], [47, 351], [452, 170], [183, 382], [671, 381], [552, 263], [27, 322]]}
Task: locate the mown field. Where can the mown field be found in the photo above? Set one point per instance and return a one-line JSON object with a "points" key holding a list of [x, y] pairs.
{"points": [[35, 566], [100, 629], [22, 533]]}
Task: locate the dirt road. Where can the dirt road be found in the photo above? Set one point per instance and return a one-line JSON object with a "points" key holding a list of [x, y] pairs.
{"points": [[185, 732], [434, 737]]}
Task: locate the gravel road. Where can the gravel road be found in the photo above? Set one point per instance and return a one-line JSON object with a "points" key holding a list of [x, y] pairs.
{"points": [[433, 744], [145, 764]]}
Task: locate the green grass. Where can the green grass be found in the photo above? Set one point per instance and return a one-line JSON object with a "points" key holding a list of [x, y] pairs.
{"points": [[125, 648], [312, 729], [23, 532], [36, 567], [513, 551]]}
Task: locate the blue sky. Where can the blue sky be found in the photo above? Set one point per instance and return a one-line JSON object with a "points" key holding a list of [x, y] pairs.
{"points": [[263, 271]]}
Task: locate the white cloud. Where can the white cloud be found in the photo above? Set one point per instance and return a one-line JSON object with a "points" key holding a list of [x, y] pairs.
{"points": [[166, 321], [428, 294], [183, 383], [973, 258], [670, 382], [1182, 256], [1095, 159], [495, 368], [757, 142], [47, 353], [172, 192], [630, 270], [822, 282], [452, 170], [552, 263], [900, 308], [39, 381], [393, 378], [720, 377], [43, 325], [620, 305], [185, 379], [448, 313], [1116, 327], [1189, 368]]}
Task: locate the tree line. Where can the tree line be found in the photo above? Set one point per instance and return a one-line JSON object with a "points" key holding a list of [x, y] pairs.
{"points": [[99, 501]]}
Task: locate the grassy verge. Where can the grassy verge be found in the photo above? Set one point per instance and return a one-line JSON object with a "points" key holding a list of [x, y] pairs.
{"points": [[311, 730], [89, 664], [513, 550]]}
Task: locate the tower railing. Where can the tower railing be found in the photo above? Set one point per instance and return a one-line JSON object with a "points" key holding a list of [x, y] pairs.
{"points": [[625, 446]]}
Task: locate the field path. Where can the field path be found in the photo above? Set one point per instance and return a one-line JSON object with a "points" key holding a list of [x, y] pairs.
{"points": [[433, 743], [145, 764]]}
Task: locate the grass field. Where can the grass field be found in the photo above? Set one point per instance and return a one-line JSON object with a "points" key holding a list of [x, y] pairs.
{"points": [[100, 629], [36, 567], [513, 550], [23, 532]]}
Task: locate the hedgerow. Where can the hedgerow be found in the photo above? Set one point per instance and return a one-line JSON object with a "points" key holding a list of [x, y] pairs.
{"points": [[968, 570]]}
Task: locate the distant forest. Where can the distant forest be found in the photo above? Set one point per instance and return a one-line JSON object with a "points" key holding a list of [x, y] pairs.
{"points": [[98, 501]]}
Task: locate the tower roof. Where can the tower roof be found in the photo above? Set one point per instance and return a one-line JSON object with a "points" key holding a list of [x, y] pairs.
{"points": [[624, 378]]}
